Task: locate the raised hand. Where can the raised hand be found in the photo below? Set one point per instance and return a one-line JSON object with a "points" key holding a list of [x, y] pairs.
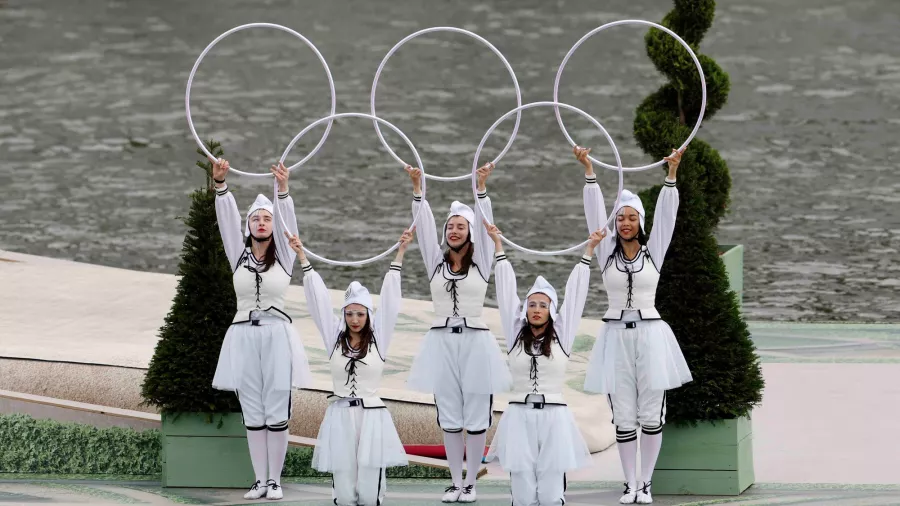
{"points": [[581, 154], [674, 160], [296, 245], [281, 175], [406, 238], [482, 175], [595, 238], [415, 174], [219, 169]]}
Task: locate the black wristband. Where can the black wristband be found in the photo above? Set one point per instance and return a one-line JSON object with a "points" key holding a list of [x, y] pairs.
{"points": [[217, 181]]}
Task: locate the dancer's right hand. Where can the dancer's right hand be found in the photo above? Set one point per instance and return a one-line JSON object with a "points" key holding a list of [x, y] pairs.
{"points": [[415, 174], [296, 245], [494, 234], [581, 154], [219, 168]]}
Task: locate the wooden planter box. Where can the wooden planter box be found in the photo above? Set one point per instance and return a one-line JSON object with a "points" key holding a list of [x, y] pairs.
{"points": [[197, 453], [733, 257], [709, 459]]}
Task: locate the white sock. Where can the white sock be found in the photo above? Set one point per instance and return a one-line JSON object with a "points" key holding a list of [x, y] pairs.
{"points": [[627, 442], [474, 455], [256, 440], [455, 447], [277, 443], [650, 445]]}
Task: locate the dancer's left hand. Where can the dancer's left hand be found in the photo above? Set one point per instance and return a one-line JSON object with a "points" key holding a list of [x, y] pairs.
{"points": [[406, 238], [281, 175], [296, 245], [483, 173], [674, 160]]}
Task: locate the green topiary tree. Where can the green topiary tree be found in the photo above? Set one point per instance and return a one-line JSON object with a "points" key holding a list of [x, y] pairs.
{"points": [[181, 371], [694, 296]]}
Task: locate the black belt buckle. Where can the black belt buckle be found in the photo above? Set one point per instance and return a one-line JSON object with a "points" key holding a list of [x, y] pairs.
{"points": [[254, 323], [354, 402], [537, 405], [630, 325], [456, 330]]}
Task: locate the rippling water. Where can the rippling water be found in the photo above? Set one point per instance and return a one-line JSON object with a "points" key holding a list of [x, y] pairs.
{"points": [[96, 160]]}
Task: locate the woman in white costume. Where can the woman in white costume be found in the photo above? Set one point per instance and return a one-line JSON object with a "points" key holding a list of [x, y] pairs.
{"points": [[636, 357], [261, 357], [460, 361], [537, 439], [357, 439]]}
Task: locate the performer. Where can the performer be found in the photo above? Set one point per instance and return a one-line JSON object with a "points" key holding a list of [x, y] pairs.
{"points": [[636, 357], [537, 440], [460, 361], [357, 439], [261, 357]]}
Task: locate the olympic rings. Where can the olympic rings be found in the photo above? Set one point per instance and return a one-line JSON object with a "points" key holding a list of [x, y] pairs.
{"points": [[187, 93], [475, 36], [517, 111], [329, 119], [631, 22], [555, 105]]}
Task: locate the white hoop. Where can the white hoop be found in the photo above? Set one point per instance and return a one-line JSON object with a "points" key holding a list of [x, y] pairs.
{"points": [[556, 105], [631, 22], [330, 118], [475, 36], [187, 93]]}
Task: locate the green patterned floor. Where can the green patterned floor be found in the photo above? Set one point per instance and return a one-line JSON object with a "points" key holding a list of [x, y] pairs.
{"points": [[55, 490], [826, 342]]}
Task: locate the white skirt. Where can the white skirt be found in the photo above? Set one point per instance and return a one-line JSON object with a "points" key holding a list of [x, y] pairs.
{"points": [[659, 358], [470, 360], [279, 347], [356, 436], [539, 439]]}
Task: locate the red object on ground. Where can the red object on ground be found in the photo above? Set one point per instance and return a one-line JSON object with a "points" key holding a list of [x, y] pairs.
{"points": [[431, 451]]}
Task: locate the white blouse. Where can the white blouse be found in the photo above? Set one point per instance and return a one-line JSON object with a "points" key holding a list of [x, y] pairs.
{"points": [[255, 289], [533, 373], [352, 377], [458, 298], [631, 284]]}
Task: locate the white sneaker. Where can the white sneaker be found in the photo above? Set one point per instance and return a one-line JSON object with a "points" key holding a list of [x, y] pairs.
{"points": [[256, 491], [451, 494], [643, 494], [629, 496], [274, 490], [468, 494]]}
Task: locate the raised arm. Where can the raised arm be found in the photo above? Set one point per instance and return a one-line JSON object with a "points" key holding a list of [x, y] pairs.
{"points": [[594, 208], [385, 317], [576, 294], [664, 216], [484, 245], [507, 291], [318, 300], [426, 231], [284, 209], [227, 215]]}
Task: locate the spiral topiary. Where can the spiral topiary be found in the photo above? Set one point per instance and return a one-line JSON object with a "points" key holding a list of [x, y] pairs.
{"points": [[694, 295]]}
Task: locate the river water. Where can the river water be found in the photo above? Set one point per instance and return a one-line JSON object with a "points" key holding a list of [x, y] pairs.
{"points": [[96, 160]]}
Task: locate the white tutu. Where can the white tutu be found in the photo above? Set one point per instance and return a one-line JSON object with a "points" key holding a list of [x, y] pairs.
{"points": [[522, 430], [278, 340], [472, 358], [660, 357], [356, 436]]}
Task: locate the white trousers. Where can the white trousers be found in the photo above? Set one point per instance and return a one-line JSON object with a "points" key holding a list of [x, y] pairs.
{"points": [[458, 410], [263, 359], [635, 404], [359, 485], [536, 488]]}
